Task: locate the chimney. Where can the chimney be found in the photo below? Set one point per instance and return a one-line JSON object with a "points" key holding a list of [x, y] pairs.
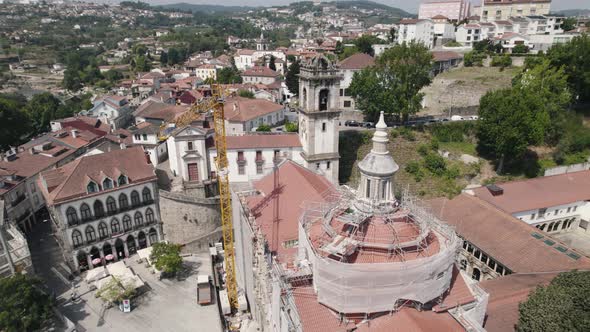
{"points": [[123, 146], [32, 150], [74, 133]]}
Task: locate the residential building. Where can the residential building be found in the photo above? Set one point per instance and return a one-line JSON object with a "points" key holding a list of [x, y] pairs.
{"points": [[113, 110], [455, 10], [417, 30], [245, 114], [259, 74], [151, 137], [103, 207], [445, 60], [252, 156], [510, 39], [243, 59], [468, 34], [206, 71], [15, 256], [497, 244], [443, 29], [494, 10], [348, 67]]}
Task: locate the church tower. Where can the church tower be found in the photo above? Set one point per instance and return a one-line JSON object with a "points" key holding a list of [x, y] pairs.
{"points": [[319, 88], [375, 192]]}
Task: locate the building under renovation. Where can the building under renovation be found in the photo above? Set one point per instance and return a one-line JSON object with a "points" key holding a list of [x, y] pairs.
{"points": [[312, 256]]}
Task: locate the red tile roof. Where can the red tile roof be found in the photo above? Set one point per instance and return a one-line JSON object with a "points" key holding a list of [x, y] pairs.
{"points": [[69, 181], [297, 184], [357, 61], [161, 111], [315, 317], [254, 141], [503, 237], [458, 294], [412, 320], [240, 109], [445, 55], [542, 192], [260, 71], [505, 295]]}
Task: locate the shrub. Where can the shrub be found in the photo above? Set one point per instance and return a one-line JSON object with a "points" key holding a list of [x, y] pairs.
{"points": [[435, 164], [366, 137], [414, 168], [394, 133], [423, 149], [453, 132], [473, 59], [453, 43], [407, 134], [246, 94], [520, 49], [291, 127], [502, 61], [434, 144], [452, 172], [263, 128]]}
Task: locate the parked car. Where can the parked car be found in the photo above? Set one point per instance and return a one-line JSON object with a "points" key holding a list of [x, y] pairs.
{"points": [[368, 124], [351, 123]]}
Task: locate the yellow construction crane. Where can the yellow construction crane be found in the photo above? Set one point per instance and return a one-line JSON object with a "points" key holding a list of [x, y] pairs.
{"points": [[224, 194]]}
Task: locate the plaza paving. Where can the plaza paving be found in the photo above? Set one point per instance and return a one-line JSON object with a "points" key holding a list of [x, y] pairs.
{"points": [[168, 305], [577, 239]]}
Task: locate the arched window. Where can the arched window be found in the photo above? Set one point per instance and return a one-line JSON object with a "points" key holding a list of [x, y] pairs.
{"points": [[107, 184], [72, 216], [570, 222], [91, 187], [146, 195], [122, 180], [77, 238], [543, 226], [550, 227], [115, 226], [103, 230], [565, 224], [85, 212], [138, 219], [90, 234], [127, 223], [135, 198], [123, 202], [98, 209], [463, 264], [149, 216], [476, 274], [111, 205], [556, 227]]}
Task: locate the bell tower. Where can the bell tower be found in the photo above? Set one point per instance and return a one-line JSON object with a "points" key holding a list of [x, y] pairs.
{"points": [[319, 88]]}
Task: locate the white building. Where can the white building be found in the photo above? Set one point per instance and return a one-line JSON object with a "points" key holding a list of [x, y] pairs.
{"points": [[206, 71], [147, 135], [467, 34], [243, 59], [443, 28], [348, 67], [494, 10], [188, 149], [103, 207], [259, 74], [455, 10], [113, 110], [418, 30], [244, 114]]}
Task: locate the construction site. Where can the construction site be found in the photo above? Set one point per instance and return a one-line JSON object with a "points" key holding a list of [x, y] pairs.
{"points": [[313, 256]]}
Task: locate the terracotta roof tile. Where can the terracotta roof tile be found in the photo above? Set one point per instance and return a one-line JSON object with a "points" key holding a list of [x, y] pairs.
{"points": [[240, 109], [503, 237], [445, 55], [532, 194], [412, 320], [357, 61], [260, 71]]}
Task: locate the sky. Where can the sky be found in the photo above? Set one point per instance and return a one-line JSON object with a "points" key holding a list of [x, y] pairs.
{"points": [[407, 5]]}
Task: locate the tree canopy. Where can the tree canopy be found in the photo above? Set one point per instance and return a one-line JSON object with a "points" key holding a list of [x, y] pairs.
{"points": [[13, 122], [23, 306], [166, 257], [393, 84], [573, 57], [365, 43], [563, 305], [292, 78]]}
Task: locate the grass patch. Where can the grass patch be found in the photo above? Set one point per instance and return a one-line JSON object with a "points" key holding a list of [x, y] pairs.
{"points": [[459, 147]]}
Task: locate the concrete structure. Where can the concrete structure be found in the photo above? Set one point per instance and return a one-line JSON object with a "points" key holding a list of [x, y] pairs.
{"points": [[418, 30], [455, 10], [494, 10], [15, 256], [260, 74], [188, 153], [206, 71], [113, 110], [100, 205], [147, 135], [319, 90], [443, 29], [468, 34], [244, 114]]}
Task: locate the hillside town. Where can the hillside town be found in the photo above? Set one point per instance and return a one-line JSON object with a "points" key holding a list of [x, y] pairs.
{"points": [[317, 166]]}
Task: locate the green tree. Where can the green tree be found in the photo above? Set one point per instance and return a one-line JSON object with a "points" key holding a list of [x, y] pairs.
{"points": [[41, 109], [520, 49], [393, 84], [23, 306], [348, 51], [272, 63], [292, 78], [229, 75], [573, 56], [164, 58], [174, 56], [563, 305], [263, 128], [113, 75], [246, 94], [510, 121], [14, 124], [141, 64], [166, 257], [569, 23], [139, 49], [365, 43], [502, 61]]}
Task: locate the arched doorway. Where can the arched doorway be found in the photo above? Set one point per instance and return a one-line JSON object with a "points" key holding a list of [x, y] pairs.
{"points": [[131, 245], [107, 249], [94, 254], [82, 261], [153, 236], [476, 274], [142, 240], [120, 249]]}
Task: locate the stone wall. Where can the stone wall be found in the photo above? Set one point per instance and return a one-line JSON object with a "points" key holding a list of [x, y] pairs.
{"points": [[190, 220]]}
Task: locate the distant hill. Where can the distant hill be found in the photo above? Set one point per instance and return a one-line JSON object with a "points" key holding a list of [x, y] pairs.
{"points": [[365, 4], [206, 8], [573, 12]]}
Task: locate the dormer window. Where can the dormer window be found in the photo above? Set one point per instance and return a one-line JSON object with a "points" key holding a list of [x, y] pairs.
{"points": [[107, 184], [122, 180], [92, 187]]}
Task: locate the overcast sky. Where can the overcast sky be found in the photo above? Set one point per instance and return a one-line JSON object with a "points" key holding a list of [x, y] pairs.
{"points": [[408, 5]]}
